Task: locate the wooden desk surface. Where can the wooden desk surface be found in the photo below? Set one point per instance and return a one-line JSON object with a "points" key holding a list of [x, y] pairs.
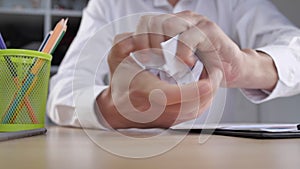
{"points": [[72, 148]]}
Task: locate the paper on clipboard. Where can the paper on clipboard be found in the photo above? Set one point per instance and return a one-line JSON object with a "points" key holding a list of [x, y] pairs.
{"points": [[264, 127], [272, 128]]}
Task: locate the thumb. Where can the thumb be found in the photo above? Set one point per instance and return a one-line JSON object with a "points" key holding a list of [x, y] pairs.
{"points": [[215, 76], [202, 88], [212, 83]]}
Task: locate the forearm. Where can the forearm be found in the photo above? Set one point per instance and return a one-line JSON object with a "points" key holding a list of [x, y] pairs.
{"points": [[259, 71]]}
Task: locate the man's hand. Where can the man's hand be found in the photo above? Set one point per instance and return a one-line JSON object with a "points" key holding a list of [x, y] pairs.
{"points": [[198, 35], [137, 98]]}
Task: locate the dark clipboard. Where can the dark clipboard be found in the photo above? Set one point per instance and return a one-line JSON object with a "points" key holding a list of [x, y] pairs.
{"points": [[4, 136], [248, 134]]}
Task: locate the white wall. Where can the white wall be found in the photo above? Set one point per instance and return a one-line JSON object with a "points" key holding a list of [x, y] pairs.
{"points": [[288, 109]]}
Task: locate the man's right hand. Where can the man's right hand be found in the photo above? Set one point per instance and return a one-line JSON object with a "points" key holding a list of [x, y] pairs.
{"points": [[138, 99]]}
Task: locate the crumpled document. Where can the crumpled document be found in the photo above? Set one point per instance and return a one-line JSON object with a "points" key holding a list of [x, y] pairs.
{"points": [[170, 64]]}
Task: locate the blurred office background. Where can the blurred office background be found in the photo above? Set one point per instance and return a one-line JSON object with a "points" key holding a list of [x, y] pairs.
{"points": [[24, 23]]}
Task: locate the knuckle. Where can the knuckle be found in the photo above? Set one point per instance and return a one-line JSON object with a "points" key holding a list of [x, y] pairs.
{"points": [[188, 13], [210, 25], [121, 37], [121, 48], [145, 18], [168, 25], [154, 24], [184, 38]]}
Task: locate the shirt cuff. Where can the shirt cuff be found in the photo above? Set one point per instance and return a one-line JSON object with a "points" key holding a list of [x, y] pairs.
{"points": [[85, 103], [286, 64]]}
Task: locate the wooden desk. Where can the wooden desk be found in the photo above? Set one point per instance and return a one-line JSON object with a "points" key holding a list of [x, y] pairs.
{"points": [[71, 148]]}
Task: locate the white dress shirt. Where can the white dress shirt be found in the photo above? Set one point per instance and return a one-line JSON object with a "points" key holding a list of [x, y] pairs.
{"points": [[255, 24]]}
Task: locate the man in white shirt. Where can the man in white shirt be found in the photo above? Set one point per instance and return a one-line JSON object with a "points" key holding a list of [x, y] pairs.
{"points": [[257, 46]]}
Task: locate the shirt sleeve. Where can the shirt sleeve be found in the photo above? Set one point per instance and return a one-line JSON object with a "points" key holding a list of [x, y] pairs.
{"points": [[74, 89], [260, 26]]}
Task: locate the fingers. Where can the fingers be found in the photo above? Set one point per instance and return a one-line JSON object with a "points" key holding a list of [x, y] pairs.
{"points": [[180, 103], [189, 92], [141, 39], [214, 80], [149, 32], [180, 22], [157, 33], [186, 101], [185, 111], [176, 94], [154, 29], [122, 37], [187, 42], [200, 37], [206, 93], [122, 47], [197, 33]]}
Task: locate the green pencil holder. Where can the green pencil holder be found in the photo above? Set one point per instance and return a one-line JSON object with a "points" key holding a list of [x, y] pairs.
{"points": [[24, 79]]}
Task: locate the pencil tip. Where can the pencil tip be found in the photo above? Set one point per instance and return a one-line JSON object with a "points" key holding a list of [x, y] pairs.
{"points": [[66, 21]]}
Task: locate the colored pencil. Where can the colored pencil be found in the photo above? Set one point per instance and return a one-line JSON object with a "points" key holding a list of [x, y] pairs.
{"points": [[50, 44], [60, 27], [14, 75]]}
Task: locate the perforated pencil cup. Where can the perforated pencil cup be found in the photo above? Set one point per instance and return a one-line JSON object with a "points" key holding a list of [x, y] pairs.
{"points": [[24, 78]]}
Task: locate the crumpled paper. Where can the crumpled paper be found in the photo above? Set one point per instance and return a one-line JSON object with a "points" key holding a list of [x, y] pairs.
{"points": [[172, 66]]}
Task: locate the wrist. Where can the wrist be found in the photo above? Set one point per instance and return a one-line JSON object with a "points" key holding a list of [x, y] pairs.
{"points": [[258, 71]]}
